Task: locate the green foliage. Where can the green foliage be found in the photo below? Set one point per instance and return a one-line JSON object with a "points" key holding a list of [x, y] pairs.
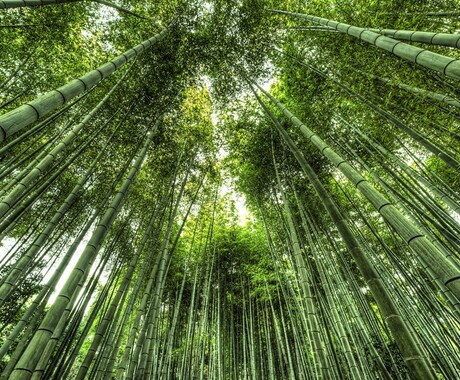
{"points": [[210, 295]]}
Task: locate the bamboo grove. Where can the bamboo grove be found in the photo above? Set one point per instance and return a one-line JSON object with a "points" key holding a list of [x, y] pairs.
{"points": [[229, 190]]}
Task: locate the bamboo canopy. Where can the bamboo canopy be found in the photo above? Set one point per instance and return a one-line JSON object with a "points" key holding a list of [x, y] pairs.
{"points": [[229, 190]]}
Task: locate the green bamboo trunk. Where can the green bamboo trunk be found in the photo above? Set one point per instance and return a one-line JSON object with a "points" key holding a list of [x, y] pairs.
{"points": [[431, 38], [32, 354], [441, 98], [444, 155], [440, 63], [21, 187], [6, 4], [44, 235], [15, 120], [108, 316], [451, 203], [406, 339], [443, 267], [49, 287], [314, 329]]}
